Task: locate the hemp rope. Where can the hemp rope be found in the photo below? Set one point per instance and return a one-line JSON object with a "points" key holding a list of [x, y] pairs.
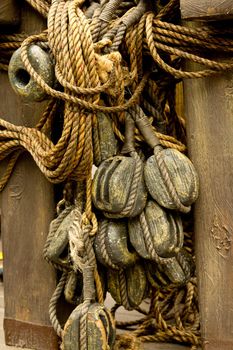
{"points": [[123, 290], [167, 180], [134, 184], [151, 36], [53, 305], [102, 232]]}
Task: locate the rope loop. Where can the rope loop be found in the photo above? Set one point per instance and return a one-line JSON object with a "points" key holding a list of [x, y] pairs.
{"points": [[91, 223]]}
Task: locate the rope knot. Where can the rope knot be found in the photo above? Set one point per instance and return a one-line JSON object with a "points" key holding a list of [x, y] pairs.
{"points": [[104, 67], [91, 222], [127, 341]]}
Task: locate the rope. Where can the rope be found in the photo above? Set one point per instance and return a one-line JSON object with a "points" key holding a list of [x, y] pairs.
{"points": [[163, 303], [134, 184], [101, 239], [123, 290], [127, 341], [53, 305], [41, 6], [168, 182], [112, 57], [153, 45], [83, 326], [90, 255]]}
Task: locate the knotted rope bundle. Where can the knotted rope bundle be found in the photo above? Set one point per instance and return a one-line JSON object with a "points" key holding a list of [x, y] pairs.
{"points": [[114, 57]]}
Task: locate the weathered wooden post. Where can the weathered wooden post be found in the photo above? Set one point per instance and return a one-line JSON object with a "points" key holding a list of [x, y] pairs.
{"points": [[210, 10], [27, 208], [209, 112], [9, 13]]}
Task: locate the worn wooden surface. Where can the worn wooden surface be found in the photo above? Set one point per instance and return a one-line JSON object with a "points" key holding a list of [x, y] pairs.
{"points": [[9, 13], [206, 9], [209, 112], [27, 208]]}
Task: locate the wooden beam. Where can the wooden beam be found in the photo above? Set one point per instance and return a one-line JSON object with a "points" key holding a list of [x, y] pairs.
{"points": [[206, 9], [209, 112], [27, 206], [9, 13]]}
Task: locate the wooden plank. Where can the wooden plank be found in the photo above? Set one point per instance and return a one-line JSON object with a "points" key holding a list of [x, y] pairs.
{"points": [[31, 335], [9, 13], [206, 9], [209, 112], [27, 209]]}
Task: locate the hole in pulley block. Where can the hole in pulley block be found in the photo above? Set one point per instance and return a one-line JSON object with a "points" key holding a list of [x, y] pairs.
{"points": [[22, 77]]}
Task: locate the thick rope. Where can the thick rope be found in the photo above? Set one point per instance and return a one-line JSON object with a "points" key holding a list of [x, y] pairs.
{"points": [[168, 182], [102, 246], [53, 305], [123, 290], [117, 56], [134, 184]]}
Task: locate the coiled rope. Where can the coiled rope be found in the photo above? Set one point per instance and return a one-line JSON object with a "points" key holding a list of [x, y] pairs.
{"points": [[109, 57]]}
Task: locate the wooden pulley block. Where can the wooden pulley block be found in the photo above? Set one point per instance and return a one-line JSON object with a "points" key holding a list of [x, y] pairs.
{"points": [[112, 246], [128, 287], [170, 176], [118, 185], [177, 270], [57, 250], [112, 185], [180, 268], [106, 138], [100, 328], [182, 175], [22, 83], [90, 325], [165, 230]]}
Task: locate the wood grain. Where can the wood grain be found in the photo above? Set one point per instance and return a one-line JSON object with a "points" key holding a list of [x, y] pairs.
{"points": [[209, 112], [38, 336], [206, 9], [27, 208], [9, 13]]}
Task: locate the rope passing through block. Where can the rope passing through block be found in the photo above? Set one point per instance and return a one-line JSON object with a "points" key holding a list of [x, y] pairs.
{"points": [[110, 86]]}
